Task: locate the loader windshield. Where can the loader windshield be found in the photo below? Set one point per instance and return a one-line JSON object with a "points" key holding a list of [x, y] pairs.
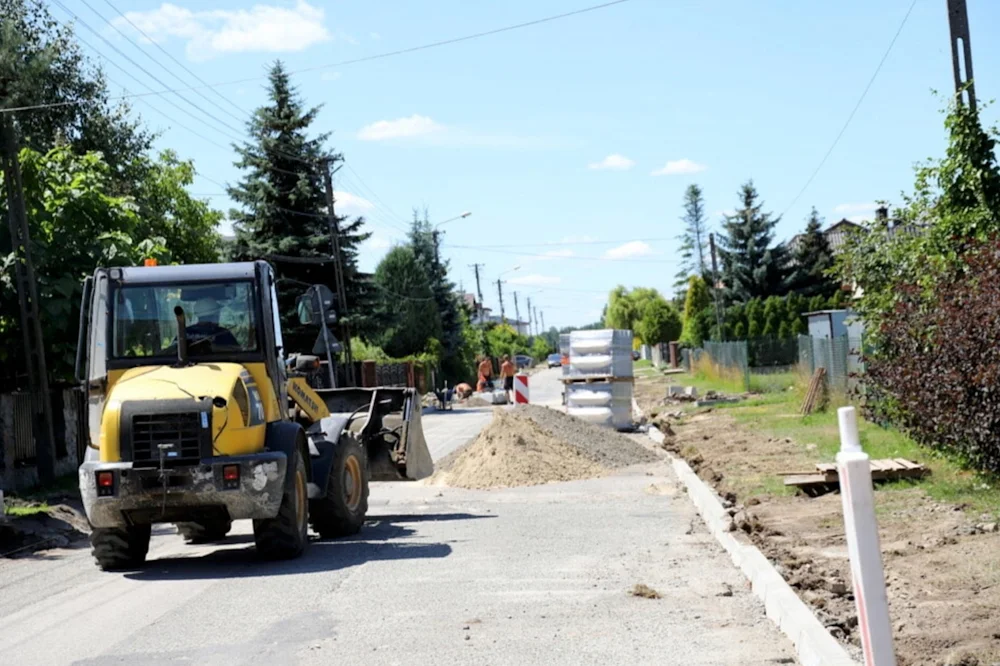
{"points": [[220, 319]]}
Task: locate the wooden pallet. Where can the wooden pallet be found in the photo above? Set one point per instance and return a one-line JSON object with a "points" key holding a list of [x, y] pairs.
{"points": [[826, 478], [596, 379]]}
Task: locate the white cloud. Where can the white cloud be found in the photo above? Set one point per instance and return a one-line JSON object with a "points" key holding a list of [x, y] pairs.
{"points": [[415, 125], [614, 162], [330, 76], [379, 241], [679, 168], [351, 204], [375, 36], [261, 28], [577, 239], [629, 250], [535, 280]]}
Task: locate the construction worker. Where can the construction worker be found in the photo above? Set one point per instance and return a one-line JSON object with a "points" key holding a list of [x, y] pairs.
{"points": [[507, 372], [485, 374]]}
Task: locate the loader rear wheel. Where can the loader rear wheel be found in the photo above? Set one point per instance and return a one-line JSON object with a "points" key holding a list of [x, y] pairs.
{"points": [[286, 535], [205, 531], [342, 511], [118, 548]]}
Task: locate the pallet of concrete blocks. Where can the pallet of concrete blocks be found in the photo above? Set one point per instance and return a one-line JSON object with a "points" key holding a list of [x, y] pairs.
{"points": [[564, 351], [607, 403], [602, 353]]}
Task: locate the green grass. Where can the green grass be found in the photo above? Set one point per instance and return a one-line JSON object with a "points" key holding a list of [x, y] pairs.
{"points": [[777, 415], [25, 511], [642, 363]]}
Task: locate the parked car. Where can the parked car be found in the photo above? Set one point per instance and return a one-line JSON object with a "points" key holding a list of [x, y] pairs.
{"points": [[522, 361], [554, 360], [635, 355]]}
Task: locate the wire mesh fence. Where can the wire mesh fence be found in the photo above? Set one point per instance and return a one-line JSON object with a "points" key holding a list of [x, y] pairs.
{"points": [[841, 357]]}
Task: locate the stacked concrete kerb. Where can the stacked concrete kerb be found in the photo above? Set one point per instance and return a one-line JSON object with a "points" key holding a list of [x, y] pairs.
{"points": [[599, 377]]}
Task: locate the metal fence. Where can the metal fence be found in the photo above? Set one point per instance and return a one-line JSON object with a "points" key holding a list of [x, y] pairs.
{"points": [[841, 357], [730, 358]]}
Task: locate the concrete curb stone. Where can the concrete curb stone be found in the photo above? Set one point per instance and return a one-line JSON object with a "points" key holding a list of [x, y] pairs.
{"points": [[814, 645]]}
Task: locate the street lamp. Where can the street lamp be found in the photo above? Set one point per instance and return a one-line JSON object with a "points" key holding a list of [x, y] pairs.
{"points": [[435, 233]]}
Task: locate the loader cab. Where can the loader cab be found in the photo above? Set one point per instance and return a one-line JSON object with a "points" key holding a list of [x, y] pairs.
{"points": [[130, 318]]}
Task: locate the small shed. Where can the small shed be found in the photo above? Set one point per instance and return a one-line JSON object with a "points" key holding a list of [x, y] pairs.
{"points": [[833, 324]]}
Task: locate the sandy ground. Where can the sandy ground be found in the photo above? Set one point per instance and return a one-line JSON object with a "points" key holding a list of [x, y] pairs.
{"points": [[943, 571], [529, 445]]}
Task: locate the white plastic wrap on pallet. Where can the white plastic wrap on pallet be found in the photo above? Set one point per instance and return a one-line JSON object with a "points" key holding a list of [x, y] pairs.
{"points": [[613, 417], [592, 365], [603, 394], [604, 341]]}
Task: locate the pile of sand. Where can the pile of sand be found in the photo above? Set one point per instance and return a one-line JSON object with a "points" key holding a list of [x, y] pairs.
{"points": [[520, 449]]}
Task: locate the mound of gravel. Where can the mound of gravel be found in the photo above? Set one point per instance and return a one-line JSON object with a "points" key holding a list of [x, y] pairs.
{"points": [[598, 443], [531, 445]]}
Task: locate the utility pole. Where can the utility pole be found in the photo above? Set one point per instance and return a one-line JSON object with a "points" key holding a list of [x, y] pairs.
{"points": [[479, 292], [543, 320], [958, 21], [27, 297], [715, 287], [338, 272], [437, 258], [517, 313], [537, 329], [531, 330], [503, 316]]}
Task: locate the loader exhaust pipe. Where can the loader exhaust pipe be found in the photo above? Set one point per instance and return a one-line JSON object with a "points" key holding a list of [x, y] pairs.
{"points": [[182, 341]]}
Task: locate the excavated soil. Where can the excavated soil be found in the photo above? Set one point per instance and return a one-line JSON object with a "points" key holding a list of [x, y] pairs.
{"points": [[61, 525], [942, 565], [532, 445]]}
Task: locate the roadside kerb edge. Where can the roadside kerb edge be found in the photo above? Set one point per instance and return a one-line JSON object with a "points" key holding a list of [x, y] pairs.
{"points": [[814, 645]]}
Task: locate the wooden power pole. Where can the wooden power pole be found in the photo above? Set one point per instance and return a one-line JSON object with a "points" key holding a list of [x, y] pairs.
{"points": [[338, 273], [27, 297], [503, 316], [715, 287]]}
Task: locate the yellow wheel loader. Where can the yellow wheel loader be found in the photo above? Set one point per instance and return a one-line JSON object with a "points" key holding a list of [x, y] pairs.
{"points": [[199, 417]]}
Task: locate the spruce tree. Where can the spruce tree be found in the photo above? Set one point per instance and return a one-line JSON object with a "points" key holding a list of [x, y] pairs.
{"points": [[812, 260], [694, 239], [283, 211], [751, 265], [424, 245]]}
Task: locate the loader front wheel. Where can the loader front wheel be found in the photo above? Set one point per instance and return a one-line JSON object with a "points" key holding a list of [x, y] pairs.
{"points": [[341, 512], [117, 549], [286, 535], [205, 531]]}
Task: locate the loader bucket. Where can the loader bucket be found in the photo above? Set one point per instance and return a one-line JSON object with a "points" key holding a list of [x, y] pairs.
{"points": [[387, 420]]}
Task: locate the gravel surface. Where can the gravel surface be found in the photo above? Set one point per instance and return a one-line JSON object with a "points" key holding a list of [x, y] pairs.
{"points": [[608, 447]]}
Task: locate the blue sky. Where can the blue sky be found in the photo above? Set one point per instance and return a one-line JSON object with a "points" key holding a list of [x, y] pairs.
{"points": [[583, 129]]}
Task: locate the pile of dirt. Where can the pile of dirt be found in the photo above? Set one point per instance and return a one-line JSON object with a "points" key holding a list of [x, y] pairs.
{"points": [[35, 526], [533, 445]]}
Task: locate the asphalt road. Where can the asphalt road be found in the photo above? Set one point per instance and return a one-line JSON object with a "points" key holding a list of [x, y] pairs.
{"points": [[534, 575]]}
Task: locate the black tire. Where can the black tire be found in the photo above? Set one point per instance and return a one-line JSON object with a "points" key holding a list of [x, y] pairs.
{"points": [[342, 511], [286, 535], [205, 532], [117, 549]]}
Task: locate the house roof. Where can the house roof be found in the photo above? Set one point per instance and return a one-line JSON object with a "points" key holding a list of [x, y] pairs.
{"points": [[844, 223]]}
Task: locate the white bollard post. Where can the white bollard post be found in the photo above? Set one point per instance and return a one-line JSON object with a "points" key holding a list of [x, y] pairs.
{"points": [[863, 546]]}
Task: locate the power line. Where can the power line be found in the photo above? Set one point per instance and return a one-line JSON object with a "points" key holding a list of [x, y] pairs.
{"points": [[854, 111], [344, 63]]}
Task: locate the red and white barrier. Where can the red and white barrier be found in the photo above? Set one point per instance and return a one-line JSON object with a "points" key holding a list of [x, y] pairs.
{"points": [[521, 389], [863, 544]]}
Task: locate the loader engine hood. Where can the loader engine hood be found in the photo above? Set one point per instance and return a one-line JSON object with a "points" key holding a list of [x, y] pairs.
{"points": [[201, 402]]}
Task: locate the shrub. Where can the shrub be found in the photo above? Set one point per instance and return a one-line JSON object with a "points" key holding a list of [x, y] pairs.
{"points": [[936, 369]]}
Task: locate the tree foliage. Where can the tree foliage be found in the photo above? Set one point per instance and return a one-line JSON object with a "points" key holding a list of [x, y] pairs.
{"points": [[625, 308], [41, 63], [753, 266], [659, 322], [937, 367], [698, 313], [813, 262], [75, 226], [283, 210], [694, 238], [410, 315]]}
